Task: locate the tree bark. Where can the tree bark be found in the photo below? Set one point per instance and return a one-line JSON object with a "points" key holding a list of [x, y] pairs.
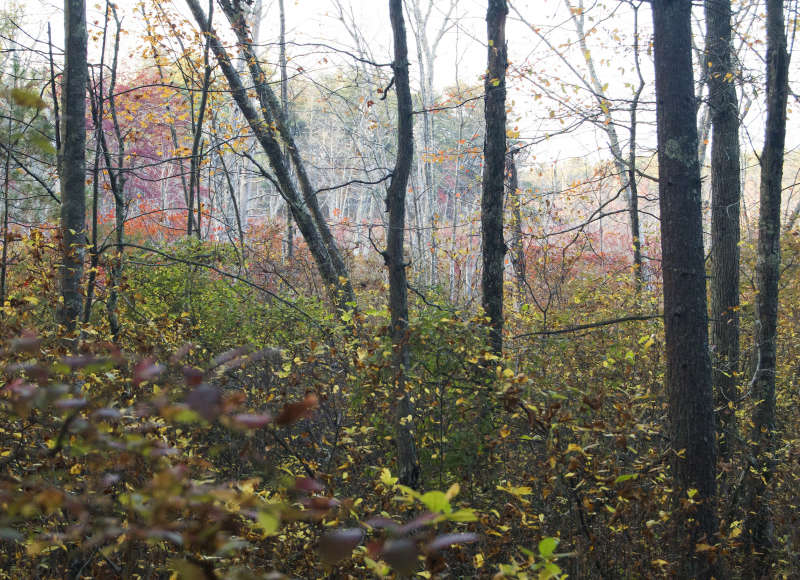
{"points": [[758, 522], [688, 373], [494, 156], [725, 199], [72, 161], [408, 462]]}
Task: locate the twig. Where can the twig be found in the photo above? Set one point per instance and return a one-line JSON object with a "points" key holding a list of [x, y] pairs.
{"points": [[590, 325]]}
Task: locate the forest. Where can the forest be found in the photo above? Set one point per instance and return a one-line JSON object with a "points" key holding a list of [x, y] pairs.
{"points": [[496, 289]]}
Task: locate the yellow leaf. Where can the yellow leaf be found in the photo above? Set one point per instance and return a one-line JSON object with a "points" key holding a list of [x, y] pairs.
{"points": [[453, 491]]}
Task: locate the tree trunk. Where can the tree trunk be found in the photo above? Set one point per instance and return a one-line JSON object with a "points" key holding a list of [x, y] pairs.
{"points": [[285, 108], [273, 116], [494, 156], [332, 270], [688, 373], [758, 522], [627, 175], [116, 179], [72, 161], [517, 250], [725, 196], [4, 263], [408, 462], [197, 147]]}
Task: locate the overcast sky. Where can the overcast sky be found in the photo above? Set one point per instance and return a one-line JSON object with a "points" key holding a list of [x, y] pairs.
{"points": [[460, 57]]}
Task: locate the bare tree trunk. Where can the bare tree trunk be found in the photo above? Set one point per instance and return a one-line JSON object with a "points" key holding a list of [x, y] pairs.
{"points": [[285, 109], [273, 115], [427, 141], [627, 175], [333, 271], [633, 190], [426, 55], [455, 195], [73, 161], [94, 251], [494, 154], [688, 373], [116, 178], [407, 459], [759, 521], [4, 264], [725, 196], [517, 251], [197, 144]]}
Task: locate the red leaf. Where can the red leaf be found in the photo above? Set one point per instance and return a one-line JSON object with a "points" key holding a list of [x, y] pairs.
{"points": [[193, 376], [146, 370], [293, 412]]}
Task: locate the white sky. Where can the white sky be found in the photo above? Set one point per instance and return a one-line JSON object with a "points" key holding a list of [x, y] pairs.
{"points": [[461, 55]]}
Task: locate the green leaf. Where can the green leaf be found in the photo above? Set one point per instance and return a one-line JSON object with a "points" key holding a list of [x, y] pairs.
{"points": [[626, 477], [550, 570], [465, 515], [436, 501], [42, 143], [27, 98], [386, 477], [268, 521], [547, 546]]}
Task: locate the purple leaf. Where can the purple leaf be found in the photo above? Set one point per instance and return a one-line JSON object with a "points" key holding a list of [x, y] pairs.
{"points": [[447, 540], [75, 403], [308, 485], [249, 421], [205, 401], [401, 554], [337, 545]]}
